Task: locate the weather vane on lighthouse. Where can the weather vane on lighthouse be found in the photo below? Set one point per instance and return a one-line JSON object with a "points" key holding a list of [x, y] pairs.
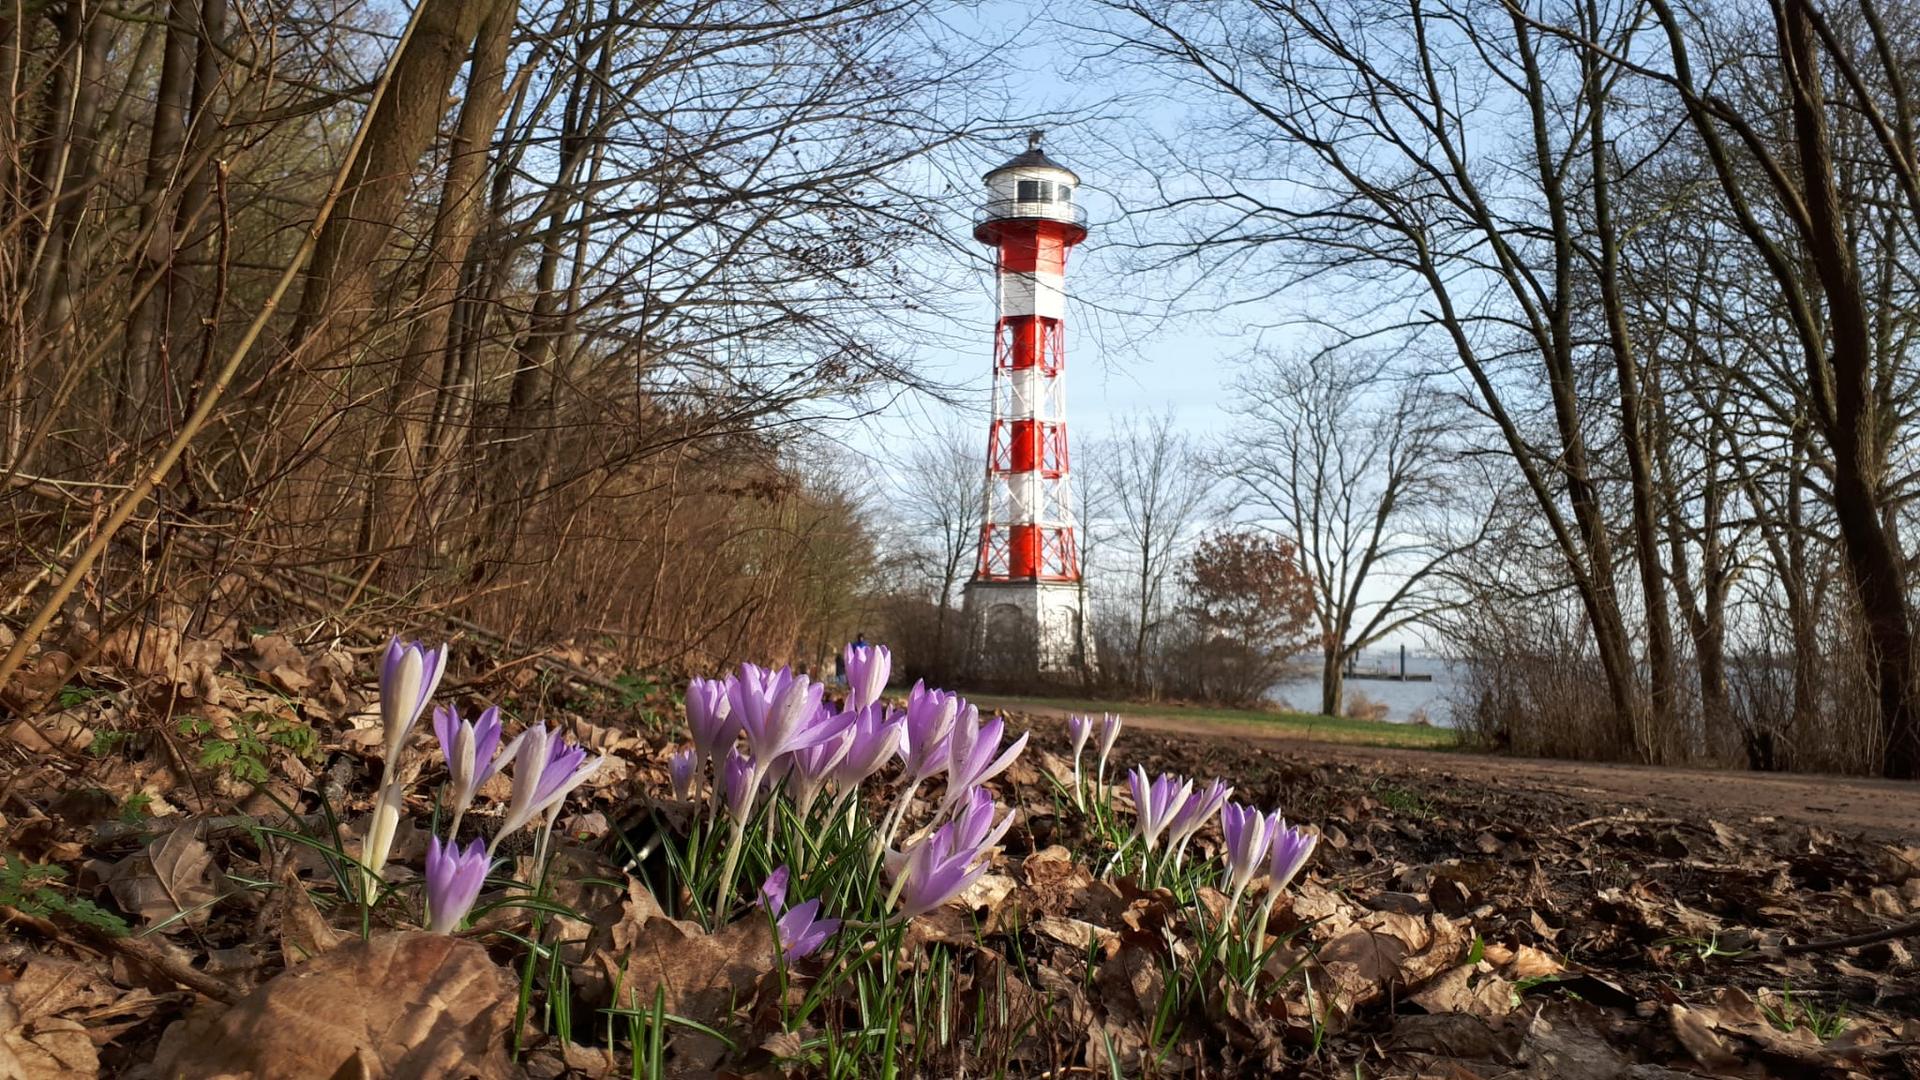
{"points": [[1025, 603]]}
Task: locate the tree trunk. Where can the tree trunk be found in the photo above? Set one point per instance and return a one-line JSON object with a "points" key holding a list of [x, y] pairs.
{"points": [[392, 500], [527, 438], [65, 165], [337, 301], [1333, 680], [1655, 741], [1592, 561], [1877, 570], [164, 156]]}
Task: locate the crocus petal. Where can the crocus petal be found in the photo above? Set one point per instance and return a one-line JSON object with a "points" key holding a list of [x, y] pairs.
{"points": [[868, 669], [1292, 847], [683, 766], [454, 880], [773, 891]]}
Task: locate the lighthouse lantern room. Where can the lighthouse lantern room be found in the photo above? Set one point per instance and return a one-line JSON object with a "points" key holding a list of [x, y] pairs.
{"points": [[1025, 603]]}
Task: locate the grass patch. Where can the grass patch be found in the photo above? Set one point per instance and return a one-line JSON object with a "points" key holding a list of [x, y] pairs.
{"points": [[1334, 729]]}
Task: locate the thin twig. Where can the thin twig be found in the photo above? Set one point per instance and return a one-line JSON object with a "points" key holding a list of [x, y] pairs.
{"points": [[173, 967], [1906, 929]]}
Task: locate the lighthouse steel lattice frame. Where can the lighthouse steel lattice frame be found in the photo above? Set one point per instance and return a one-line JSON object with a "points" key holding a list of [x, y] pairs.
{"points": [[1026, 577]]}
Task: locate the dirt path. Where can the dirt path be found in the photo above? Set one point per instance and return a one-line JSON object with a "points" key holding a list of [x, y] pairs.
{"points": [[1883, 809]]}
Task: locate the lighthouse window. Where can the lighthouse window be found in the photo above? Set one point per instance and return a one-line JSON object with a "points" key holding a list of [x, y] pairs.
{"points": [[1035, 191]]}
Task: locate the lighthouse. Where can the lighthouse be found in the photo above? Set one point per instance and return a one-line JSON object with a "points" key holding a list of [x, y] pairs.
{"points": [[1025, 603]]}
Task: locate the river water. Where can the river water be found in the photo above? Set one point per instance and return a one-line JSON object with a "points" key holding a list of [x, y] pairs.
{"points": [[1404, 700]]}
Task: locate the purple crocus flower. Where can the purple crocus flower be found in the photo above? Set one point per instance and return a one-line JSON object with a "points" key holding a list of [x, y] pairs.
{"points": [[468, 747], [1292, 846], [684, 765], [1155, 802], [545, 770], [1249, 835], [974, 827], [809, 767], [801, 930], [868, 669], [933, 871], [409, 675], [710, 717], [1199, 809], [773, 891], [931, 715], [873, 737], [454, 880], [738, 782], [776, 709], [1109, 734], [970, 754]]}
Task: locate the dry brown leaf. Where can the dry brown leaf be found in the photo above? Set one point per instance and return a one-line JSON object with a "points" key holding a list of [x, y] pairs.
{"points": [[1705, 1029], [271, 651], [1131, 983], [1076, 934], [61, 732], [36, 1043], [164, 880], [400, 1005], [704, 975], [1530, 963], [1564, 1048], [38, 679], [987, 892], [1457, 991], [147, 649], [1695, 1032]]}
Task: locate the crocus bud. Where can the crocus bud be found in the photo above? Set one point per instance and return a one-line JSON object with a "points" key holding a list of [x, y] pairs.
{"points": [[943, 863], [810, 766], [738, 782], [868, 668], [875, 736], [1155, 802], [970, 755], [930, 718], [454, 880], [684, 766], [545, 770], [468, 747], [1292, 846], [1249, 834], [710, 718], [409, 675], [775, 709], [1109, 734], [1198, 809]]}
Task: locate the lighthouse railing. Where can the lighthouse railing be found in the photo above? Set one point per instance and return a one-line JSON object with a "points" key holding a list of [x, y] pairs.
{"points": [[1023, 209]]}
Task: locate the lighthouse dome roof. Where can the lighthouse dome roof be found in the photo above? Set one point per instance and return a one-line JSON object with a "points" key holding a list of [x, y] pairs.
{"points": [[1032, 158]]}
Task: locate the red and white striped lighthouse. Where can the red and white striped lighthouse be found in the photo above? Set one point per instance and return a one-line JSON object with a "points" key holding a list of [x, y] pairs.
{"points": [[1026, 599]]}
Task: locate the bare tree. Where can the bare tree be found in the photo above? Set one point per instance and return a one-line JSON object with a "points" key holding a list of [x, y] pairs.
{"points": [[1809, 237], [938, 507], [1424, 164], [1159, 487], [1348, 460]]}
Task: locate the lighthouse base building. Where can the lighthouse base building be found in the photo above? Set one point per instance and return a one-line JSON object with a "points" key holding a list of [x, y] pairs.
{"points": [[1025, 628]]}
